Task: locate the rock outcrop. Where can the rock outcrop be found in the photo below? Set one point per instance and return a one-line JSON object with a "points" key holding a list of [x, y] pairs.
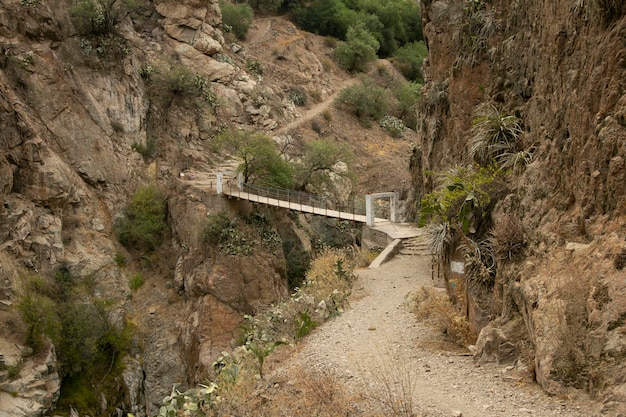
{"points": [[74, 110], [558, 67]]}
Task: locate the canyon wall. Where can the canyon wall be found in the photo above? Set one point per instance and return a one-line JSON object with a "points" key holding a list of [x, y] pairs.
{"points": [[560, 67]]}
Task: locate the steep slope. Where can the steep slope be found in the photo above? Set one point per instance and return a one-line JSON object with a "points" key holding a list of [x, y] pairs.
{"points": [[559, 67]]}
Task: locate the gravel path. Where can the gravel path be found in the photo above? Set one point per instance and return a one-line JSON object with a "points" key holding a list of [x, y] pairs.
{"points": [[377, 344]]}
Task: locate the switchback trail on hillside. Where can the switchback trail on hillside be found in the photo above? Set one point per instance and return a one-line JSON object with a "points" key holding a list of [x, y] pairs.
{"points": [[377, 343]]}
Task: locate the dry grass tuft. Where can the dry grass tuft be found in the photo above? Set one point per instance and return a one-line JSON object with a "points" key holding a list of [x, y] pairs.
{"points": [[435, 308], [394, 387], [507, 237]]}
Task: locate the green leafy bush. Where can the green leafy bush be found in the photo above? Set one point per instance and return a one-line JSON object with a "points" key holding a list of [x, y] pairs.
{"points": [[358, 50], [236, 18], [462, 198], [254, 67], [136, 282], [408, 60], [95, 17], [227, 235], [325, 17], [143, 225], [408, 96], [392, 23], [261, 161], [366, 101]]}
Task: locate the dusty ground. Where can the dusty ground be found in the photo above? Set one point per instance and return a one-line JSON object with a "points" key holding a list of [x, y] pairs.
{"points": [[377, 343]]}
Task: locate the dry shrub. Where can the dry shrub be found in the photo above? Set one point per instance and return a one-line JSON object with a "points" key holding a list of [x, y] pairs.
{"points": [[394, 387], [330, 277], [307, 393], [435, 307], [366, 256], [507, 236]]}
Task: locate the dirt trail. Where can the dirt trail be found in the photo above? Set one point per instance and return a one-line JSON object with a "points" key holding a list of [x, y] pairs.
{"points": [[378, 338]]}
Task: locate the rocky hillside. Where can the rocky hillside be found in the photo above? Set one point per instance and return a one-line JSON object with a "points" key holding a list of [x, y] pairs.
{"points": [[559, 68], [92, 110]]}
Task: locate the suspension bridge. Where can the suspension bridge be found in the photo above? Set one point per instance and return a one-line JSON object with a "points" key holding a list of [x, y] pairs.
{"points": [[309, 203]]}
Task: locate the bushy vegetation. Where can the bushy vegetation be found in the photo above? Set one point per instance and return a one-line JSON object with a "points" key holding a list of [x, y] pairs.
{"points": [[60, 308], [238, 236], [392, 23], [436, 309], [408, 96], [97, 21], [494, 135], [143, 225], [318, 168], [459, 212], [233, 390], [366, 101], [358, 50], [178, 81], [408, 60], [261, 160], [236, 18]]}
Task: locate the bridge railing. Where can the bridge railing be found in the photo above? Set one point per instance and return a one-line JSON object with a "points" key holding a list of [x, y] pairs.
{"points": [[355, 207]]}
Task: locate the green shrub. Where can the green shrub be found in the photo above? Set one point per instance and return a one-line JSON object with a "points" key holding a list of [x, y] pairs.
{"points": [[180, 81], [304, 325], [366, 101], [254, 67], [408, 96], [41, 316], [143, 225], [325, 17], [358, 50], [147, 151], [236, 18], [261, 160], [297, 96], [136, 282], [226, 234], [120, 260], [266, 6], [408, 60], [463, 197], [95, 17]]}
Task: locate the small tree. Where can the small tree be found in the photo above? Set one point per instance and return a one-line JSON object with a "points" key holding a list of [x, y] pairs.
{"points": [[261, 160], [144, 223], [359, 49], [321, 161]]}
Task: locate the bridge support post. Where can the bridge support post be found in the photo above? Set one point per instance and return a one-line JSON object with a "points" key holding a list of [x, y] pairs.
{"points": [[393, 206], [369, 210], [220, 183]]}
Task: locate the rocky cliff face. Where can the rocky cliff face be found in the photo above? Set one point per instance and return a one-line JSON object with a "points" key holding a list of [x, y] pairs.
{"points": [[560, 67], [74, 107]]}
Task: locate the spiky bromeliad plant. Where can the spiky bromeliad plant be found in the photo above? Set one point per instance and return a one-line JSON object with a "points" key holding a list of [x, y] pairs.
{"points": [[494, 133]]}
